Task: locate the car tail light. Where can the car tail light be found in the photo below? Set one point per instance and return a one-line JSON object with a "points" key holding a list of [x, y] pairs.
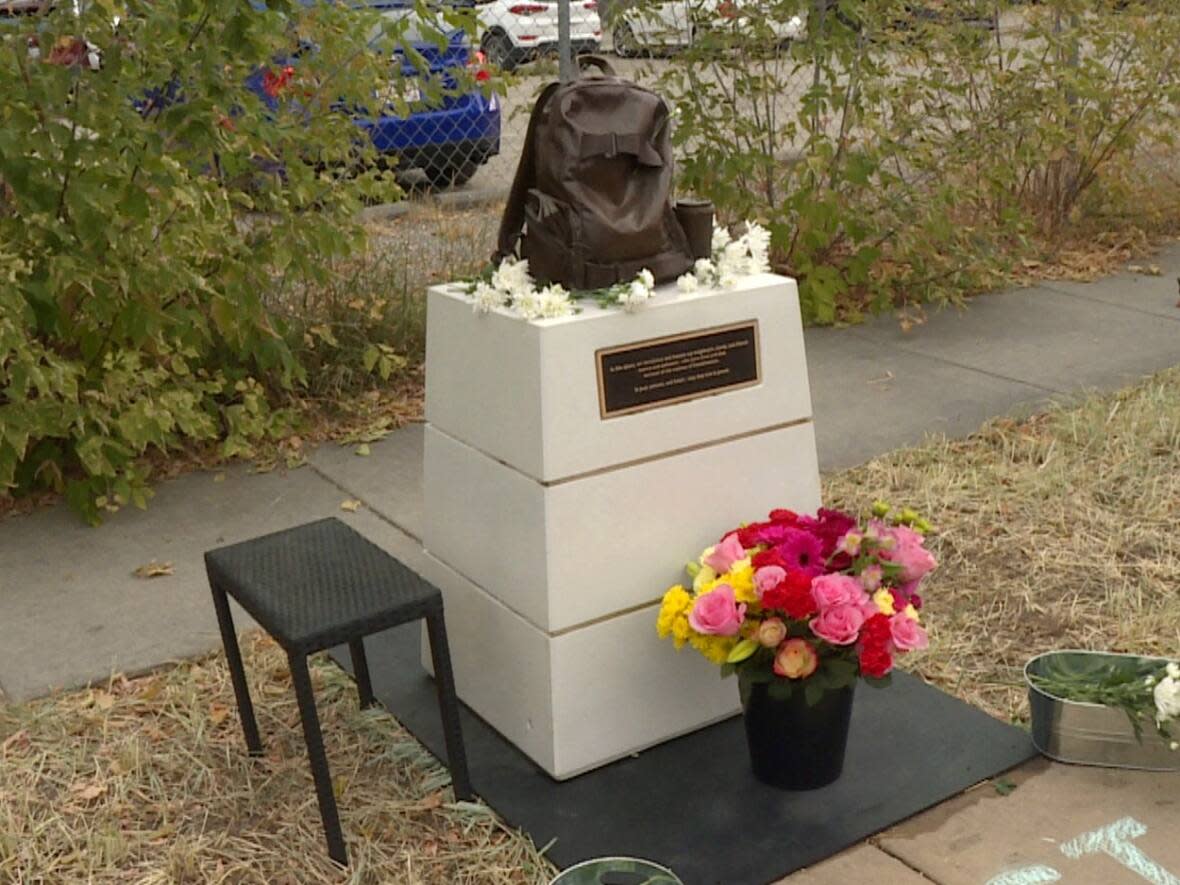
{"points": [[593, 4], [477, 64], [727, 9], [528, 8]]}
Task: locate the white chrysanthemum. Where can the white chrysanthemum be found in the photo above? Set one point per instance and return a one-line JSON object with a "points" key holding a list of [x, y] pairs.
{"points": [[757, 239], [512, 277], [732, 263], [487, 298], [705, 271], [687, 283], [528, 304], [1167, 699], [721, 239], [1173, 669], [645, 276], [554, 301], [634, 296]]}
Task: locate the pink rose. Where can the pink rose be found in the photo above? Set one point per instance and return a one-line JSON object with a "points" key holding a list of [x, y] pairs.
{"points": [[839, 625], [717, 612], [725, 554], [796, 659], [909, 553], [767, 578], [771, 632], [907, 633], [830, 591]]}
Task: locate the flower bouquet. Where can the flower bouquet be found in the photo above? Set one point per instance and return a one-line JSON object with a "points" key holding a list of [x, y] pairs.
{"points": [[799, 607]]}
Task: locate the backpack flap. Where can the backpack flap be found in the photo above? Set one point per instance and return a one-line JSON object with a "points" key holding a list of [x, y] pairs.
{"points": [[612, 144]]}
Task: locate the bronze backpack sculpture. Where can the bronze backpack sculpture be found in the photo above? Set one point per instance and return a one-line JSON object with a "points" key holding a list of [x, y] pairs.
{"points": [[591, 204]]}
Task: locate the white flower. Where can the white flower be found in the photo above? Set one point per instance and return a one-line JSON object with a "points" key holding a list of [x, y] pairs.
{"points": [[687, 283], [528, 304], [512, 277], [1167, 699], [732, 262], [634, 295], [487, 298], [727, 280], [721, 239], [757, 239], [1174, 746], [554, 301], [1173, 670], [645, 277], [705, 272], [1149, 681]]}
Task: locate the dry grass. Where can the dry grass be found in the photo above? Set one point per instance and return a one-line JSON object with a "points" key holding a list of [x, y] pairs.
{"points": [[147, 781], [1056, 531], [1059, 531]]}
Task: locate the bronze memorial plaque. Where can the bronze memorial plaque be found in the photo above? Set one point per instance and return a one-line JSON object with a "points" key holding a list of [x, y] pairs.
{"points": [[662, 371]]}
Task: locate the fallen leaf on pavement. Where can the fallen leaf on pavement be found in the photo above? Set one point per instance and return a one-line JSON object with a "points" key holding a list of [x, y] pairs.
{"points": [[154, 569], [363, 450], [351, 505]]}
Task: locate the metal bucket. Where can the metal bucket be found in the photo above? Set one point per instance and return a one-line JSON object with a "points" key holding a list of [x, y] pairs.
{"points": [[1091, 734], [617, 871]]}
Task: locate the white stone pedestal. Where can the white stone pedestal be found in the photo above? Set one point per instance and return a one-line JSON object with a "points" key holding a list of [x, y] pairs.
{"points": [[556, 519]]}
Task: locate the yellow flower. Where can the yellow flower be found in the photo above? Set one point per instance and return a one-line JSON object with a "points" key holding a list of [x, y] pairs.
{"points": [[741, 578], [714, 648], [673, 617], [884, 600], [910, 612], [704, 578]]}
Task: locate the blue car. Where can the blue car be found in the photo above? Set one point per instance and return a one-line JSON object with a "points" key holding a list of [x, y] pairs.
{"points": [[449, 136]]}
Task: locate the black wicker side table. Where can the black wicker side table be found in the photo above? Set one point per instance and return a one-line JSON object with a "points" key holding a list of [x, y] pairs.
{"points": [[313, 587]]}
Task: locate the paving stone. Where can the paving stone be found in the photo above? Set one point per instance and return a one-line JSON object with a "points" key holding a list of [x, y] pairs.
{"points": [[1040, 337], [72, 612], [868, 400], [862, 864], [1150, 293], [1050, 828], [389, 479]]}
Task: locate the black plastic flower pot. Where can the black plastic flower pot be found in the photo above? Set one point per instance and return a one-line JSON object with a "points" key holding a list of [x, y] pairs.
{"points": [[794, 746]]}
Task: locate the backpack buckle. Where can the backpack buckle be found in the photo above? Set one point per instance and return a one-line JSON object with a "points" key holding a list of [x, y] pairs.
{"points": [[613, 150]]}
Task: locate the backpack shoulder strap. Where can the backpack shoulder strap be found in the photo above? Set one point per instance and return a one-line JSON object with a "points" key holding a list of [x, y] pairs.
{"points": [[512, 221]]}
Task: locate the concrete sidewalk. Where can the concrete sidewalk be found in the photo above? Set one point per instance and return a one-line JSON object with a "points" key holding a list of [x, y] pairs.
{"points": [[71, 611]]}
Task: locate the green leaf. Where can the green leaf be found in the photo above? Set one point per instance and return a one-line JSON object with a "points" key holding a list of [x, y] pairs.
{"points": [[741, 651], [370, 357], [1003, 786]]}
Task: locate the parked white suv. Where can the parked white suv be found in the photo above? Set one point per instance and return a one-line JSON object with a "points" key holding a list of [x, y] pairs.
{"points": [[515, 31]]}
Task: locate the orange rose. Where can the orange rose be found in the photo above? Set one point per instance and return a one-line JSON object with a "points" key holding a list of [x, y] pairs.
{"points": [[796, 659]]}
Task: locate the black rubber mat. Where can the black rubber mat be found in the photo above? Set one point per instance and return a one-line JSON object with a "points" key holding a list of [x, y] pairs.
{"points": [[692, 804]]}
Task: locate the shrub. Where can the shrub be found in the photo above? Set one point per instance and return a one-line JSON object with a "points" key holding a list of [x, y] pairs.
{"points": [[149, 201], [902, 152]]}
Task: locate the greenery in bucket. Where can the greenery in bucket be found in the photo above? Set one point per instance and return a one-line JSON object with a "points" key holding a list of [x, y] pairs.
{"points": [[1147, 691]]}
